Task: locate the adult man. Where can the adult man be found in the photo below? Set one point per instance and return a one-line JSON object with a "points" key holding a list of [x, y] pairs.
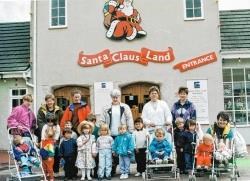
{"points": [[114, 115], [75, 112]]}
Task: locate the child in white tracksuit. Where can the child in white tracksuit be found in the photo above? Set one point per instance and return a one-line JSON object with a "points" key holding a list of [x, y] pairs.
{"points": [[104, 146]]}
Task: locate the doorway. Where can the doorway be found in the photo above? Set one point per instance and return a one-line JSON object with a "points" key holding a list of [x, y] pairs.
{"points": [[136, 96], [64, 98]]}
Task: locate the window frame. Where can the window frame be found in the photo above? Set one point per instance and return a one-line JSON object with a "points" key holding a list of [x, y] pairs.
{"points": [[193, 18], [245, 96], [19, 97], [50, 16]]}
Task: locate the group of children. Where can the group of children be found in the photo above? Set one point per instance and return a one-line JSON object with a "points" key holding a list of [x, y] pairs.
{"points": [[79, 151]]}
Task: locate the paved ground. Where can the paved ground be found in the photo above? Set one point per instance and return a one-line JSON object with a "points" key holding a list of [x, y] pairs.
{"points": [[243, 164]]}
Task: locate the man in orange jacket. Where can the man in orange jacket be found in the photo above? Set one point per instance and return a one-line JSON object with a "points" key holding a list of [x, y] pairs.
{"points": [[75, 112]]}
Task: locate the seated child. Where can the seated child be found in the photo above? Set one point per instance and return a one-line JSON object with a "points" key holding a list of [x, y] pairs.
{"points": [[204, 152], [25, 155], [222, 154], [160, 148]]}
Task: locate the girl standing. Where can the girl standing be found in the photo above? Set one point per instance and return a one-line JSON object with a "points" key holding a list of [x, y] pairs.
{"points": [[86, 149], [104, 145]]}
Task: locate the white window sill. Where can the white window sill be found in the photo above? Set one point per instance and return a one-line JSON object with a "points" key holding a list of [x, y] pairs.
{"points": [[194, 19], [58, 27]]}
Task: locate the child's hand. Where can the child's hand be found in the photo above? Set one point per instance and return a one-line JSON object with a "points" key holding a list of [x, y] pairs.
{"points": [[137, 150], [94, 155], [181, 150], [113, 154]]}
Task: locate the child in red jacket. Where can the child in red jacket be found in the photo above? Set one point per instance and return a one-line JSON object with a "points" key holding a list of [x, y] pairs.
{"points": [[204, 152]]}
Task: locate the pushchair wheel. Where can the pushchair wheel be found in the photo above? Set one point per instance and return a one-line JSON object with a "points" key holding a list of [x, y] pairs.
{"points": [[191, 178], [233, 178], [212, 178]]}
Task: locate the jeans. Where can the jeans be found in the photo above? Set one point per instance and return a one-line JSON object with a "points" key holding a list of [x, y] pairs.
{"points": [[189, 160], [124, 163], [105, 163]]}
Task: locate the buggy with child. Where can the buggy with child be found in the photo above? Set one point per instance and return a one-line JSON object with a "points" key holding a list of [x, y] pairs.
{"points": [[24, 153], [220, 157], [161, 155]]}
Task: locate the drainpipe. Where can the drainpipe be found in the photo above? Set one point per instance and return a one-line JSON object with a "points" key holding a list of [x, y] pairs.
{"points": [[34, 48]]}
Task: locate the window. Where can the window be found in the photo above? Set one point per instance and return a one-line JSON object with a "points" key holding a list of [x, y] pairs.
{"points": [[193, 9], [16, 96], [236, 83], [58, 13]]}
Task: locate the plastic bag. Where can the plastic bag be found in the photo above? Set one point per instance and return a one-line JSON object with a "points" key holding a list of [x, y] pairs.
{"points": [[240, 145]]}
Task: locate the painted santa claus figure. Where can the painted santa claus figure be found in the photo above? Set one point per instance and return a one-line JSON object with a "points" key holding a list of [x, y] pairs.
{"points": [[122, 20]]}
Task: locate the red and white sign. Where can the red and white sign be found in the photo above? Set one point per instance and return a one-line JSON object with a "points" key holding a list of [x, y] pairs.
{"points": [[107, 59], [196, 62]]}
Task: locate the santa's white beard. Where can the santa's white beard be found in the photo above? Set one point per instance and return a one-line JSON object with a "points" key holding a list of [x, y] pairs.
{"points": [[128, 8]]}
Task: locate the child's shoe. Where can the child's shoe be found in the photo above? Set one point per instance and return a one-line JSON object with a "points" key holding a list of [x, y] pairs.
{"points": [[108, 177], [83, 178], [137, 174], [89, 178], [125, 176], [122, 176]]}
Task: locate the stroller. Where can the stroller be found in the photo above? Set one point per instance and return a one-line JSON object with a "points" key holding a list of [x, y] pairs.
{"points": [[24, 160], [216, 171], [163, 170]]}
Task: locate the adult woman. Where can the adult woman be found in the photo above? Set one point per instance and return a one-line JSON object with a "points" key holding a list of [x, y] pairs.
{"points": [[156, 112], [222, 129], [183, 107], [75, 112], [49, 109], [22, 116]]}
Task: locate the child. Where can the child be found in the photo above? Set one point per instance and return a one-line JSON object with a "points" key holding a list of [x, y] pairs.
{"points": [[68, 125], [140, 135], [160, 148], [48, 152], [68, 151], [25, 155], [204, 152], [124, 147], [179, 142], [190, 139], [86, 149], [51, 122], [92, 118], [222, 154], [104, 146]]}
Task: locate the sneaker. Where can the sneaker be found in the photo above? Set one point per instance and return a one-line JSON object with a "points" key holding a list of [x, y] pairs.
{"points": [[108, 177], [83, 178], [125, 176], [158, 161], [100, 178], [56, 174], [122, 176], [89, 178], [137, 174]]}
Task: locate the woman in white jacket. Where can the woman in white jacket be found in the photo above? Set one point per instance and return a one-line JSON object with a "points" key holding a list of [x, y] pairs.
{"points": [[156, 113]]}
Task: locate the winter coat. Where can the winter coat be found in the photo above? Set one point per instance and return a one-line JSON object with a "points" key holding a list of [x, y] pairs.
{"points": [[22, 116], [160, 146], [82, 113], [126, 116], [190, 141], [124, 144], [179, 138], [186, 111]]}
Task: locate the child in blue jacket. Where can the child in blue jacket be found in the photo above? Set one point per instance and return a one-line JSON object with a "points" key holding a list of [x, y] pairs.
{"points": [[160, 148], [124, 147]]}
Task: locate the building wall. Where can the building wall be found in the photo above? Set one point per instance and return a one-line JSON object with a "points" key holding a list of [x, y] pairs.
{"points": [[5, 103], [57, 49]]}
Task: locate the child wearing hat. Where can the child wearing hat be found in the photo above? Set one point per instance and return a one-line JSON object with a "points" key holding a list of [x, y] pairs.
{"points": [[68, 151], [86, 147]]}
